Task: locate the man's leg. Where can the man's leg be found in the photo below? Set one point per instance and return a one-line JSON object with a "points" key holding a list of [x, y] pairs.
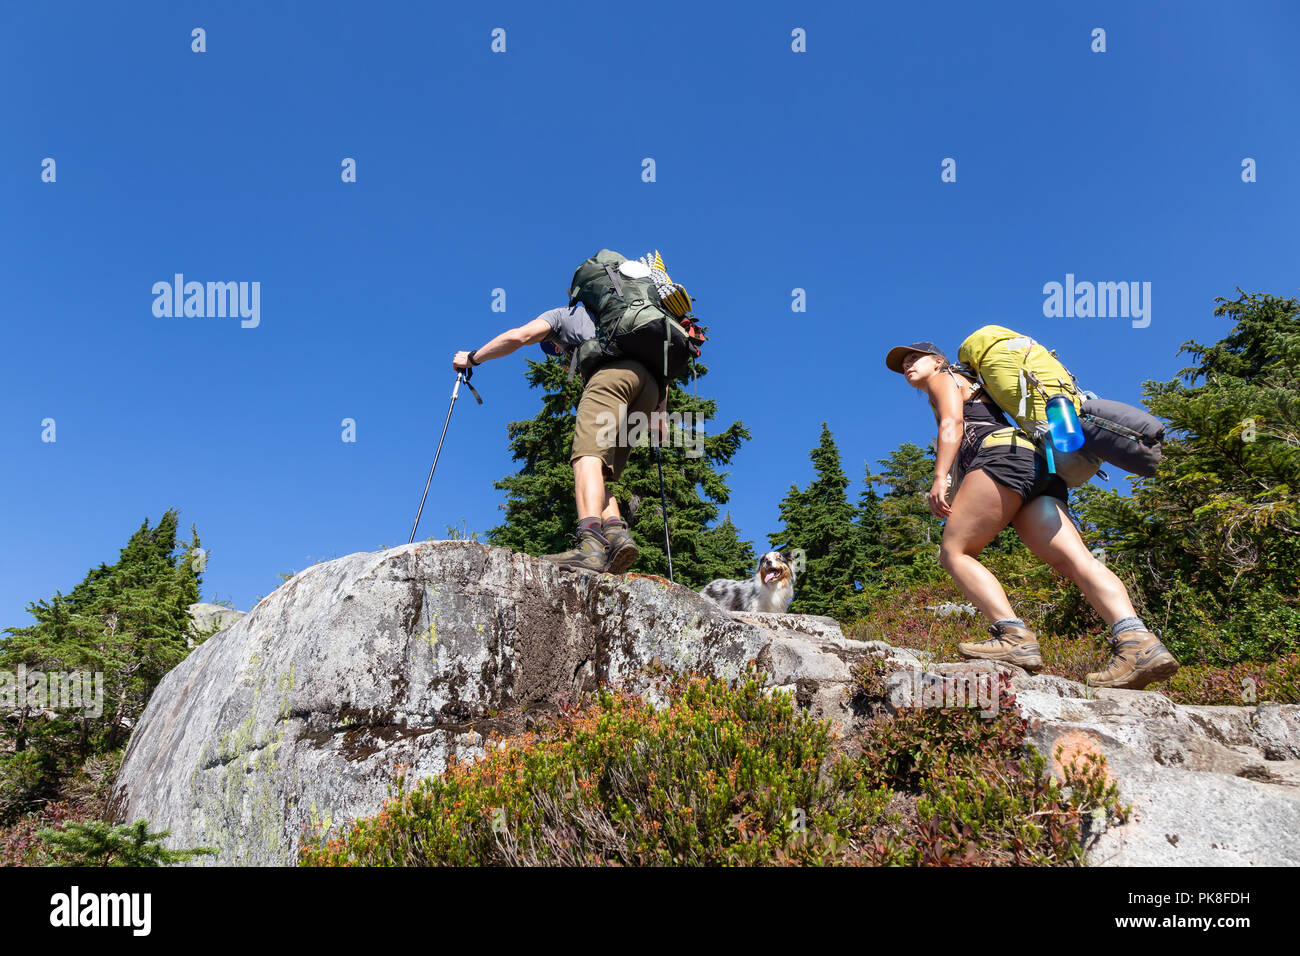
{"points": [[589, 487], [596, 457], [589, 491], [592, 498], [623, 552], [592, 550]]}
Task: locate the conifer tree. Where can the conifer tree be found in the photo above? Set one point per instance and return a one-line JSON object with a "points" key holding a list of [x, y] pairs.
{"points": [[870, 520], [870, 556], [722, 554], [818, 520], [540, 515], [128, 622], [1210, 546], [909, 533], [98, 843]]}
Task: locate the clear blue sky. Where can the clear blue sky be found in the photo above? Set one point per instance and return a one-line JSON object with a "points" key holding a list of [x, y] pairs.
{"points": [[776, 170]]}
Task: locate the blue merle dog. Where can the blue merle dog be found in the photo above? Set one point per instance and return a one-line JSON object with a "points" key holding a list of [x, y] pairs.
{"points": [[770, 589]]}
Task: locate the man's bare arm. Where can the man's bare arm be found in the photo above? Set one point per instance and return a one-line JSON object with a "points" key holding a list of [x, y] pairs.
{"points": [[505, 343]]}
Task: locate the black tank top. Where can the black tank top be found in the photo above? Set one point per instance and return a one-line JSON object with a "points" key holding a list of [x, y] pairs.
{"points": [[979, 420]]}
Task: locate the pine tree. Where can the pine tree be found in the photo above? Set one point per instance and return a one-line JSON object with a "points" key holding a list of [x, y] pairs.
{"points": [[870, 522], [909, 533], [97, 843], [540, 514], [1210, 546], [128, 622], [870, 555], [818, 521], [722, 554]]}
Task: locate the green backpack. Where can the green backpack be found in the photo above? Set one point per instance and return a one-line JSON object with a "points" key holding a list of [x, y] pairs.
{"points": [[633, 320]]}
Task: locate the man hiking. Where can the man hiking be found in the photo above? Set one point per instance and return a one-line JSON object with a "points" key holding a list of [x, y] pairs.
{"points": [[619, 387]]}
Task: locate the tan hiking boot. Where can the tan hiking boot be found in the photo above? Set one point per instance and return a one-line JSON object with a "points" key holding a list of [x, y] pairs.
{"points": [[1010, 644], [1136, 659], [589, 555], [622, 549]]}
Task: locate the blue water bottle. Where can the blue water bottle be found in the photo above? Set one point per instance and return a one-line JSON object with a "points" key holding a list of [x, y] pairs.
{"points": [[1067, 435]]}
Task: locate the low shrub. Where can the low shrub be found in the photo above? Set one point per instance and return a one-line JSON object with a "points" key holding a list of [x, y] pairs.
{"points": [[982, 794], [735, 776], [719, 776]]}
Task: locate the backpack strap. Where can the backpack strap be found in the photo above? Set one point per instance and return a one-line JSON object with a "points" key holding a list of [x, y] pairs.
{"points": [[976, 383], [613, 277], [668, 340]]}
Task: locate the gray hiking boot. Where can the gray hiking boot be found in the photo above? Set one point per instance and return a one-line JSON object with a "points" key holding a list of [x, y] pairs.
{"points": [[590, 554], [1136, 659], [622, 549], [1010, 644]]}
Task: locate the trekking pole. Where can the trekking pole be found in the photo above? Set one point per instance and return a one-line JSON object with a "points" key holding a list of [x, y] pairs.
{"points": [[663, 502], [463, 375]]}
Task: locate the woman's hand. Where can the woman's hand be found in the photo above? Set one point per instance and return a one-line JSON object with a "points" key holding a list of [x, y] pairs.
{"points": [[937, 498]]}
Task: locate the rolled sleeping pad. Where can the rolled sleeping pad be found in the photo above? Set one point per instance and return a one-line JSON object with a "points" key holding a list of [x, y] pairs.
{"points": [[1122, 435]]}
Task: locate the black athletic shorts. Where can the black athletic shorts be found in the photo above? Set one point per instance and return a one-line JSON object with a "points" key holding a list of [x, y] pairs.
{"points": [[1014, 462]]}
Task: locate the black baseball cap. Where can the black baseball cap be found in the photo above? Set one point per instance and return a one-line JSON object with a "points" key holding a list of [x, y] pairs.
{"points": [[894, 360]]}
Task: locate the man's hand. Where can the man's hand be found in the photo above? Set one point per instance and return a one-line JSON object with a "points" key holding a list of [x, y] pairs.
{"points": [[661, 416], [460, 361], [937, 498]]}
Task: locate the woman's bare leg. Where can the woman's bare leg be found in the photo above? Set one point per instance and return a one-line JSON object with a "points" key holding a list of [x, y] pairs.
{"points": [[1046, 529], [981, 510]]}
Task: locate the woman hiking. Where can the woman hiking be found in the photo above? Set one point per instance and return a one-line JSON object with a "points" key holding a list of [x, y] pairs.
{"points": [[999, 478]]}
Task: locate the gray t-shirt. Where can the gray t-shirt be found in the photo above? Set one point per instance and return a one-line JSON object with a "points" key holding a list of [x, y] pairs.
{"points": [[570, 327]]}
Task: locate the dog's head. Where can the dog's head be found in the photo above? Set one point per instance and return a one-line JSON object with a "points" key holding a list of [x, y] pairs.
{"points": [[774, 567]]}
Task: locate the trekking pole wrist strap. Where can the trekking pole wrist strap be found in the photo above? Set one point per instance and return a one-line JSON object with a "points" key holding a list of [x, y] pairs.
{"points": [[472, 353], [465, 375]]}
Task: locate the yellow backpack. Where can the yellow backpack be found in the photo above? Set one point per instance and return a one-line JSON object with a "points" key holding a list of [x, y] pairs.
{"points": [[1021, 375]]}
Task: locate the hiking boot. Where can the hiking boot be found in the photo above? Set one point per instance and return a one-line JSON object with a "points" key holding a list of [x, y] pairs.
{"points": [[589, 555], [622, 549], [1136, 659], [1010, 644]]}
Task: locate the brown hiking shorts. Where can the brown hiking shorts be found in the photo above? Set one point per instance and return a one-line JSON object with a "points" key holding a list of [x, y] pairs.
{"points": [[603, 431]]}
